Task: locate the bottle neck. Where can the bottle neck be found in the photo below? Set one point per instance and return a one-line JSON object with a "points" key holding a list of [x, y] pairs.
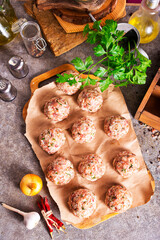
{"points": [[147, 6], [152, 4]]}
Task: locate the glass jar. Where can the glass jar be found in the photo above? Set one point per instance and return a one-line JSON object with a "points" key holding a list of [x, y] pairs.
{"points": [[32, 38]]}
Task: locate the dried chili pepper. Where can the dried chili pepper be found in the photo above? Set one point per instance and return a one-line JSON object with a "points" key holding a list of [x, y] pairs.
{"points": [[50, 219], [46, 219], [60, 224]]}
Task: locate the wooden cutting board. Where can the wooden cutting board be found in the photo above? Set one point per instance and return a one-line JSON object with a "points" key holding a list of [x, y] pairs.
{"points": [[102, 216], [81, 18], [58, 40]]}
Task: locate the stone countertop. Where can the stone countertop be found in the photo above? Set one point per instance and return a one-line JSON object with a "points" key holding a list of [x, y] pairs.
{"points": [[18, 159]]}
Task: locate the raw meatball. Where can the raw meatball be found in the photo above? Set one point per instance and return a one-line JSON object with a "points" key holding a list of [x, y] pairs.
{"points": [[51, 140], [126, 163], [68, 89], [60, 171], [82, 203], [90, 100], [83, 131], [57, 109], [116, 127], [118, 198], [92, 167]]}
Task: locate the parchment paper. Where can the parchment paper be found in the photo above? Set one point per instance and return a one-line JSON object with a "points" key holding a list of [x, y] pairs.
{"points": [[139, 184]]}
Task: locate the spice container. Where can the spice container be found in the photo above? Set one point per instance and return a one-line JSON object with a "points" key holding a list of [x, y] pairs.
{"points": [[32, 38], [17, 67], [7, 91]]}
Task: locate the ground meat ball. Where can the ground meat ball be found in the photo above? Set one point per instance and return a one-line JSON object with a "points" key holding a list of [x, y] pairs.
{"points": [[83, 131], [118, 198], [116, 127], [51, 140], [92, 167], [68, 89], [60, 171], [90, 100], [82, 203], [126, 163], [57, 109]]}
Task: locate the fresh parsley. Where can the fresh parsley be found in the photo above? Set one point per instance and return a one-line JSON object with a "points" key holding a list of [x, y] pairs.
{"points": [[114, 64]]}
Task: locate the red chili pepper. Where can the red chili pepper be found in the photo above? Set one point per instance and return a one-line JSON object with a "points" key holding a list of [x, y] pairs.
{"points": [[60, 224], [50, 219], [42, 208]]}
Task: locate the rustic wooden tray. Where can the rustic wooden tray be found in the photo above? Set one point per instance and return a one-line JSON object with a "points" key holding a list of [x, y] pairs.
{"points": [[35, 85], [149, 109]]}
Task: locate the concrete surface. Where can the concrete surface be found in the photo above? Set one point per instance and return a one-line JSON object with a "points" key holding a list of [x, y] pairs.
{"points": [[18, 159]]}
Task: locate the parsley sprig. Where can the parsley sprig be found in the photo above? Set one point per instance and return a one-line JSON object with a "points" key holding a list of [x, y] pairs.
{"points": [[117, 66]]}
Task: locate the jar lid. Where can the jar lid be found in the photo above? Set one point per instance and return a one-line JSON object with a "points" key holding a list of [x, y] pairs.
{"points": [[17, 25]]}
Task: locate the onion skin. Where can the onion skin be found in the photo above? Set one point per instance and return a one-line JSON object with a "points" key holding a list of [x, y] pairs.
{"points": [[31, 184]]}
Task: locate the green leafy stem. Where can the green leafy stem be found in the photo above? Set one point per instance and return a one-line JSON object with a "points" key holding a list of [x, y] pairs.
{"points": [[117, 66]]}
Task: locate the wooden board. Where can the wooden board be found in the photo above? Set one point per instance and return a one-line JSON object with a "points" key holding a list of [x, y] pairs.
{"points": [[88, 223], [80, 18], [118, 13], [75, 5], [58, 40], [149, 109]]}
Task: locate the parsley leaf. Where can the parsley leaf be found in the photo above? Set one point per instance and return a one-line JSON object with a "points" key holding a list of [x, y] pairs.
{"points": [[86, 29], [92, 37], [115, 51], [111, 25], [96, 25], [118, 66], [87, 81], [104, 84], [78, 63], [100, 72], [99, 51], [88, 61]]}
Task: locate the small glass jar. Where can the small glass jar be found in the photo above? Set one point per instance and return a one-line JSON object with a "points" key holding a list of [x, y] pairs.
{"points": [[32, 38]]}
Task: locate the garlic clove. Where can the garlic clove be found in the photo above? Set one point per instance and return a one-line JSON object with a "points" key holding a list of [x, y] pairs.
{"points": [[31, 219]]}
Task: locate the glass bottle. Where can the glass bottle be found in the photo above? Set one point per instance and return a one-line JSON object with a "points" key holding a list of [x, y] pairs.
{"points": [[146, 20], [8, 11], [6, 34]]}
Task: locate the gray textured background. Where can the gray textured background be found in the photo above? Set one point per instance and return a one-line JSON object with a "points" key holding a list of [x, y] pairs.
{"points": [[18, 159]]}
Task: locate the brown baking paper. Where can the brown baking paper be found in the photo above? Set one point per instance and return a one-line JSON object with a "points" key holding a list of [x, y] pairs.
{"points": [[139, 184]]}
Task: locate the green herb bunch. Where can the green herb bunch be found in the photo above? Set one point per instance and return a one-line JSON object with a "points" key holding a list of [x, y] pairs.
{"points": [[117, 66]]}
